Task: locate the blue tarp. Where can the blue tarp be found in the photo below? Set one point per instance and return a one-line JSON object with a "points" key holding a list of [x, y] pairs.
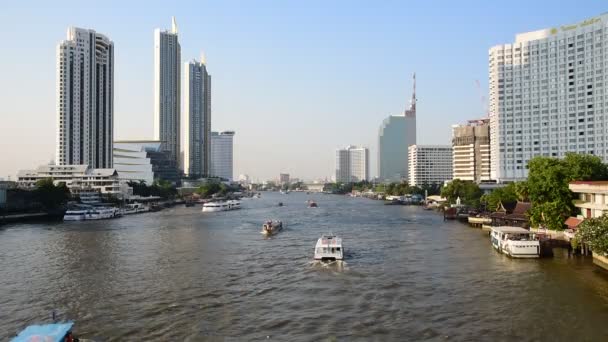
{"points": [[44, 333]]}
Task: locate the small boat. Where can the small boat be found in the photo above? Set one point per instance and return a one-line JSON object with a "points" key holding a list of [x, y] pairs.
{"points": [[515, 242], [329, 248], [312, 204], [280, 204], [56, 332], [189, 203], [221, 206], [272, 227]]}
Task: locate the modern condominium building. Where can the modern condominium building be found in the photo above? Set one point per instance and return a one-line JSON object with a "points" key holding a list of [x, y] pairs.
{"points": [[85, 99], [352, 164], [167, 61], [471, 151], [396, 134], [547, 96], [429, 164], [222, 154], [197, 118]]}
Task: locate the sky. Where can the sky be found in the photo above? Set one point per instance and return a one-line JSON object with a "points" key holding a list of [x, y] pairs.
{"points": [[294, 79]]}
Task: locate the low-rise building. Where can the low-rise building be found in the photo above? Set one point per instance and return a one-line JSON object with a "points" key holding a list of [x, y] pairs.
{"points": [[429, 164], [76, 177], [592, 197], [144, 160]]}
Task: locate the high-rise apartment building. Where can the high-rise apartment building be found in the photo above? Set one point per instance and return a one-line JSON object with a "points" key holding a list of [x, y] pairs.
{"points": [[547, 96], [222, 154], [429, 164], [471, 151], [85, 99], [167, 61], [396, 134], [352, 164], [284, 178], [197, 118]]}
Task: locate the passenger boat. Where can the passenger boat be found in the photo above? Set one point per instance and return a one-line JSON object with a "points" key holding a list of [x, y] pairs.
{"points": [[135, 208], [221, 206], [94, 213], [329, 248], [515, 242], [56, 332], [272, 227]]}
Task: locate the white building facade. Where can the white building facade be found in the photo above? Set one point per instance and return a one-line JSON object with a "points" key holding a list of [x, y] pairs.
{"points": [[471, 151], [429, 164], [222, 154], [85, 99], [547, 96], [78, 178], [352, 164], [197, 119], [167, 96], [132, 162]]}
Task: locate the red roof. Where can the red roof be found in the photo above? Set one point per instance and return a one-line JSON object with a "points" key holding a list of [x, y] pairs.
{"points": [[572, 222]]}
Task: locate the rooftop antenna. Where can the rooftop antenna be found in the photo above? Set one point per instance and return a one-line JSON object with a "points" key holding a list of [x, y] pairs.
{"points": [[412, 109]]}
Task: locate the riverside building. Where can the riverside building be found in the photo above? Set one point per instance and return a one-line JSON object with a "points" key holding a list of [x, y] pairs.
{"points": [[77, 178], [429, 164], [222, 144], [352, 164], [547, 96], [167, 61], [197, 118], [85, 99], [471, 151], [396, 134], [144, 160]]}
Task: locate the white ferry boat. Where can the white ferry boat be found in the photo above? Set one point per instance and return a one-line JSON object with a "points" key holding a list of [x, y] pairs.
{"points": [[99, 213], [221, 206], [272, 227], [329, 248], [135, 208], [515, 242]]}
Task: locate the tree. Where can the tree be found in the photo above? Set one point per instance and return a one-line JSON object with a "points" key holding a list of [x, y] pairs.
{"points": [[51, 196], [522, 192], [594, 232], [505, 194], [468, 191]]}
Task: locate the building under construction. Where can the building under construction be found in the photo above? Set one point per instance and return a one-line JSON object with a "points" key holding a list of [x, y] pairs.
{"points": [[471, 151]]}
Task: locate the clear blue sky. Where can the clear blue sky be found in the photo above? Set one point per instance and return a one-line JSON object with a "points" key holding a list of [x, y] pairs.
{"points": [[294, 79]]}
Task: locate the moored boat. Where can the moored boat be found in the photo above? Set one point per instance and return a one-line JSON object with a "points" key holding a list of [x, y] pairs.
{"points": [[92, 213], [272, 227], [515, 242], [329, 248], [221, 206], [55, 332]]}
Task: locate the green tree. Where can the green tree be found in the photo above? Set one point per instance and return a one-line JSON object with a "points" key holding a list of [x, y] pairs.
{"points": [[594, 232], [505, 194], [51, 196], [469, 192], [522, 192]]}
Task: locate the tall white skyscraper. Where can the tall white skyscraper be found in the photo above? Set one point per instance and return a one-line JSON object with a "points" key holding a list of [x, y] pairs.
{"points": [[167, 62], [547, 96], [197, 119], [85, 99], [222, 154], [352, 164]]}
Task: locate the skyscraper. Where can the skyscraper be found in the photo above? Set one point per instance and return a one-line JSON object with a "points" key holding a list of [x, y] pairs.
{"points": [[352, 164], [547, 96], [222, 154], [85, 99], [167, 61], [396, 134], [197, 121]]}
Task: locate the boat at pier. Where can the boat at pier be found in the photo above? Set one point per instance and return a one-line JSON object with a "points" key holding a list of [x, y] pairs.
{"points": [[134, 208], [515, 242], [54, 332], [329, 248], [93, 213], [272, 227], [221, 206]]}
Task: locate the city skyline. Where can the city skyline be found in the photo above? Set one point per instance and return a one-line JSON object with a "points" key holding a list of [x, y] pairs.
{"points": [[447, 96]]}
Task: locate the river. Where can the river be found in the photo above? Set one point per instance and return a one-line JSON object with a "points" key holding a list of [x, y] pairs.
{"points": [[182, 275]]}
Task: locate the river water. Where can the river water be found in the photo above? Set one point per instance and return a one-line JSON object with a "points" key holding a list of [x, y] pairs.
{"points": [[182, 275]]}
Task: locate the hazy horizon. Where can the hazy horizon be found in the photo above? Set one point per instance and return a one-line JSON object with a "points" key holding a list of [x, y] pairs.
{"points": [[294, 80]]}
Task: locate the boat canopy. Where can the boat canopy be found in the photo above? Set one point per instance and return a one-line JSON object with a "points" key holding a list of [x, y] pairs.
{"points": [[46, 332], [511, 230]]}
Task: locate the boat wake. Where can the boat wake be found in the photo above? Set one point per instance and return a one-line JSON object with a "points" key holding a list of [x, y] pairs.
{"points": [[336, 265]]}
